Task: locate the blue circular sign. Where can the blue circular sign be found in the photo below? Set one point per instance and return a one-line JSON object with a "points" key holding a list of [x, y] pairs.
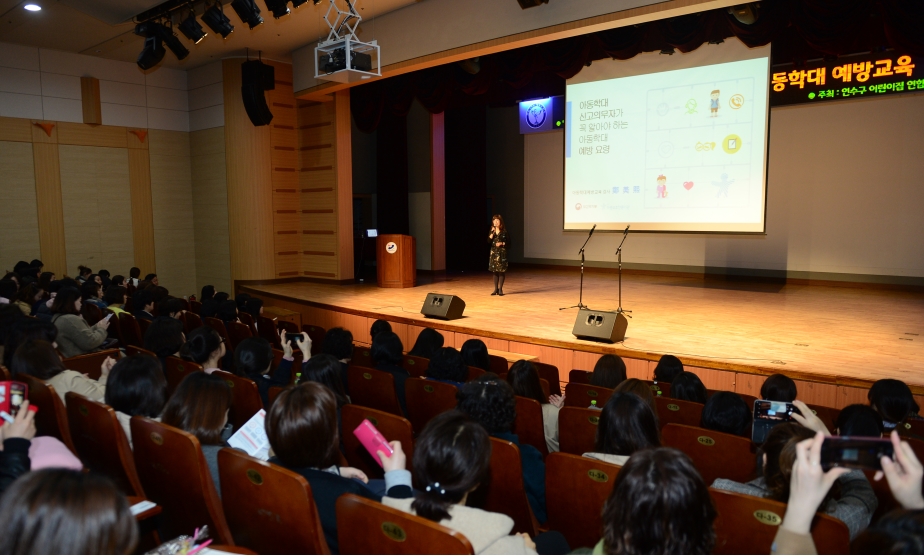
{"points": [[535, 116]]}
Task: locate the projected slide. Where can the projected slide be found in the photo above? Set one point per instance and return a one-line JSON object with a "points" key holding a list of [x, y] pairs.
{"points": [[671, 150]]}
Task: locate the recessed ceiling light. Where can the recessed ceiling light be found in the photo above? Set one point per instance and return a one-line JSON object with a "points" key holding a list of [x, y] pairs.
{"points": [[33, 7]]}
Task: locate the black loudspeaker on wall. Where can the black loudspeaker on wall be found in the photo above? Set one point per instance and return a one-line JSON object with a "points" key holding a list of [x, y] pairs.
{"points": [[606, 326], [442, 306], [257, 77]]}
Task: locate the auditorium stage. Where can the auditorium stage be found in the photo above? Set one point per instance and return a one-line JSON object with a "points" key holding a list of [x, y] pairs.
{"points": [[839, 338]]}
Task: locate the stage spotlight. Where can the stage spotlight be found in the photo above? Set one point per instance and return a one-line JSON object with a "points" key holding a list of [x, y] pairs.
{"points": [[152, 53], [248, 11], [278, 7], [217, 21], [191, 28], [165, 36], [746, 14], [669, 51], [173, 42], [316, 2], [297, 3]]}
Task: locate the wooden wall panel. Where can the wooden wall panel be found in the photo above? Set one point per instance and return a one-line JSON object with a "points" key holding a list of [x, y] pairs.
{"points": [[139, 167], [749, 384], [559, 357], [398, 328], [413, 331], [18, 217], [15, 129], [318, 195], [210, 208], [816, 393], [284, 163], [90, 99], [344, 166], [248, 160], [849, 395], [172, 208], [438, 191], [92, 136], [492, 343], [637, 368], [584, 361]]}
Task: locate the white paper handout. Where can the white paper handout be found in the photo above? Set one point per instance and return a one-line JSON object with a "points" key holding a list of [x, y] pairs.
{"points": [[252, 437]]}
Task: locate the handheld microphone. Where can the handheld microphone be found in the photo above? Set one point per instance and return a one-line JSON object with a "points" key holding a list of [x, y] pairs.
{"points": [[592, 230]]}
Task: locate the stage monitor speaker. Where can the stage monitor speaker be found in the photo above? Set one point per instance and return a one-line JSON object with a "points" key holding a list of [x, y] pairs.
{"points": [[443, 306], [257, 77], [606, 326]]}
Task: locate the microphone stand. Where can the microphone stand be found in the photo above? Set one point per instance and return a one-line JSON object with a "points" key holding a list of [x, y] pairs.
{"points": [[580, 304], [625, 234]]}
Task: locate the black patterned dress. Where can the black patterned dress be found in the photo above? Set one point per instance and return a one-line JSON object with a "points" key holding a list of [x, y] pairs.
{"points": [[498, 259]]}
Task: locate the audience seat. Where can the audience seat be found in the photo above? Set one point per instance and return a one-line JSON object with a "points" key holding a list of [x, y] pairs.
{"points": [[177, 369], [415, 366], [498, 364], [580, 377], [247, 320], [681, 412], [828, 415], [748, 399], [391, 426], [5, 373], [550, 373], [174, 475], [716, 455], [391, 531], [192, 320], [51, 418], [91, 313], [362, 356], [576, 489], [528, 425], [245, 398], [135, 350], [316, 333], [114, 331], [269, 509], [278, 354], [195, 307], [237, 332], [130, 331], [505, 492], [372, 388], [269, 331], [101, 443], [218, 326], [577, 429], [426, 399], [272, 394], [580, 395], [143, 325], [913, 428], [748, 524], [289, 327], [474, 373], [659, 388], [90, 364]]}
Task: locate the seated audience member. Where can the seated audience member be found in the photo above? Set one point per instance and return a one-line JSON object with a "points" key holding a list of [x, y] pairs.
{"points": [[253, 359], [17, 436], [10, 320], [324, 369], [134, 274], [447, 366], [387, 357], [241, 300], [427, 343], [227, 312], [45, 280], [83, 274], [302, 430], [452, 458], [171, 307], [152, 279], [136, 386], [524, 380], [778, 388], [221, 297], [207, 293], [491, 402], [639, 388], [8, 290], [858, 420], [726, 412], [37, 264], [92, 293], [609, 372], [23, 330], [475, 354], [204, 346], [38, 358], [687, 386], [627, 424], [379, 326], [159, 293], [27, 297], [200, 407], [667, 368], [164, 337], [143, 305], [117, 280], [210, 306], [855, 503], [116, 297], [104, 276], [75, 336], [339, 343], [658, 505], [893, 400], [63, 511], [254, 308]]}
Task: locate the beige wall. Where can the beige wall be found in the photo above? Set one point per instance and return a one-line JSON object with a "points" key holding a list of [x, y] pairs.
{"points": [[97, 202], [18, 216], [172, 205], [210, 208]]}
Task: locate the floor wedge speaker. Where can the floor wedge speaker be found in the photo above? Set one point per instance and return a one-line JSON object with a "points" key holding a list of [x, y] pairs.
{"points": [[604, 326], [443, 306]]}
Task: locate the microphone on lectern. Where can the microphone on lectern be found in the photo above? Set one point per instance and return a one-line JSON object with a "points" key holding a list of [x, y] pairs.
{"points": [[592, 230]]}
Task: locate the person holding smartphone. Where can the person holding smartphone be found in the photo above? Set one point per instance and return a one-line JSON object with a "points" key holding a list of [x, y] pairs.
{"points": [[497, 263], [17, 439], [253, 358]]}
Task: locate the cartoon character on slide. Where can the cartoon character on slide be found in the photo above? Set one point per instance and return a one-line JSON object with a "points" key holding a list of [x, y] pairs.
{"points": [[662, 187], [714, 103]]}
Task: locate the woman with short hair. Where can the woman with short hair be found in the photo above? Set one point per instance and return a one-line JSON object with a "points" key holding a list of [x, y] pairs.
{"points": [[136, 386]]}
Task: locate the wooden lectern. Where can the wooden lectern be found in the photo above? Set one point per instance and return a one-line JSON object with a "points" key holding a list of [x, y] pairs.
{"points": [[396, 260]]}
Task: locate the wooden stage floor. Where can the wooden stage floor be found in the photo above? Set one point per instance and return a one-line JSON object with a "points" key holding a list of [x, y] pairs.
{"points": [[842, 335]]}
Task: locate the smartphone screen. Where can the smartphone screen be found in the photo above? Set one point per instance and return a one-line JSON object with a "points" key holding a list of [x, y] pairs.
{"points": [[775, 411], [293, 337], [855, 452]]}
